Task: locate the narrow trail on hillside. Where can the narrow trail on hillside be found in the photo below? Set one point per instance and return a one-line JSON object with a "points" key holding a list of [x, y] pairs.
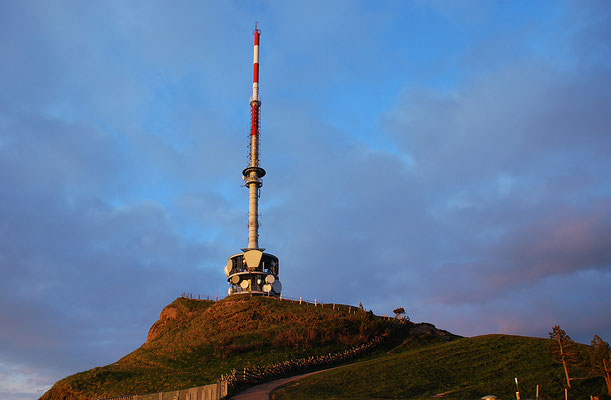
{"points": [[264, 390]]}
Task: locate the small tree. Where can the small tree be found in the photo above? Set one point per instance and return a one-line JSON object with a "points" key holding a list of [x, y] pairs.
{"points": [[600, 360], [399, 311], [564, 350]]}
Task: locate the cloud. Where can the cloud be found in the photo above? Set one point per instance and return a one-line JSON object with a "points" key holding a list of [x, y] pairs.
{"points": [[22, 382], [555, 244], [78, 253]]}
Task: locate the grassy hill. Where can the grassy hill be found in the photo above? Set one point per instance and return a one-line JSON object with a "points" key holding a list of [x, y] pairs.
{"points": [[195, 341], [467, 368]]}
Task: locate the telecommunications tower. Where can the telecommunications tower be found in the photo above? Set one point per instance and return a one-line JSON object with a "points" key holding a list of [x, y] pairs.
{"points": [[253, 271]]}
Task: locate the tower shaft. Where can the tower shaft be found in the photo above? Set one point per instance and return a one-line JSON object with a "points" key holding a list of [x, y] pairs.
{"points": [[253, 180], [253, 215]]}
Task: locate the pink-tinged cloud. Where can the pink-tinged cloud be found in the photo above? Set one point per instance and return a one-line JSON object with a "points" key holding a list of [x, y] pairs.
{"points": [[567, 240]]}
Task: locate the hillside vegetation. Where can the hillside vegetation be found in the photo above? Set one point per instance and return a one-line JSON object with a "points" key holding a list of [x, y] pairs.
{"points": [[468, 368], [195, 341]]}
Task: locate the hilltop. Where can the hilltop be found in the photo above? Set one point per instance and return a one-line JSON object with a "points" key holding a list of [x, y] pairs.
{"points": [[467, 368], [194, 342]]}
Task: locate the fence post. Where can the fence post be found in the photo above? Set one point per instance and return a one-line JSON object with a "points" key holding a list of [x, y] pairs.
{"points": [[333, 306], [300, 300], [315, 303]]}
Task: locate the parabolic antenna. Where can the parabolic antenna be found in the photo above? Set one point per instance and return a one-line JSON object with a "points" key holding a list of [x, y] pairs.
{"points": [[228, 268], [244, 284], [230, 291], [277, 286], [270, 278], [235, 279], [267, 288]]}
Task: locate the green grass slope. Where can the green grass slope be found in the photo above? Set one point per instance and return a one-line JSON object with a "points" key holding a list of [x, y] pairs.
{"points": [[196, 341], [468, 368]]}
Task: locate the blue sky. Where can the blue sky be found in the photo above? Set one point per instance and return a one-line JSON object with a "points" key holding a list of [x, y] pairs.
{"points": [[450, 157]]}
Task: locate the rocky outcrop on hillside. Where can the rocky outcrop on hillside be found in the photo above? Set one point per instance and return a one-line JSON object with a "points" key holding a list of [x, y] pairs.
{"points": [[170, 315]]}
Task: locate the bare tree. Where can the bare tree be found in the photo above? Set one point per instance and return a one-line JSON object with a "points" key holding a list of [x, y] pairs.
{"points": [[564, 350], [600, 360]]}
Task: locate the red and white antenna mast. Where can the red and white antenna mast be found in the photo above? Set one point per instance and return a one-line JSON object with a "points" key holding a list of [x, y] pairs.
{"points": [[255, 62], [253, 173]]}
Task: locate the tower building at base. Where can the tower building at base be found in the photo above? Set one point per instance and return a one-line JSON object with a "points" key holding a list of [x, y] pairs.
{"points": [[253, 271]]}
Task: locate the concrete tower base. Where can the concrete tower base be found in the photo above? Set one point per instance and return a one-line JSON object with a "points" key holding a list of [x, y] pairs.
{"points": [[253, 272]]}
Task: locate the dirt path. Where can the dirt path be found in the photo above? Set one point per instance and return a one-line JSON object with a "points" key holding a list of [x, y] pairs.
{"points": [[264, 390]]}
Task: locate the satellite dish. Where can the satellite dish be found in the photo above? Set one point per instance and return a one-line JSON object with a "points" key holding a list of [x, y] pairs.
{"points": [[228, 268], [229, 291], [267, 288], [244, 284], [235, 279], [277, 286], [270, 278]]}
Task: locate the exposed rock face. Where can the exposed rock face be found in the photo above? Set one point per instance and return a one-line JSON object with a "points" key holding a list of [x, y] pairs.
{"points": [[168, 315]]}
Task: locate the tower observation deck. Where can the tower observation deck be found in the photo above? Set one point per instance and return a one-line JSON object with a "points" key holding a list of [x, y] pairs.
{"points": [[253, 271]]}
